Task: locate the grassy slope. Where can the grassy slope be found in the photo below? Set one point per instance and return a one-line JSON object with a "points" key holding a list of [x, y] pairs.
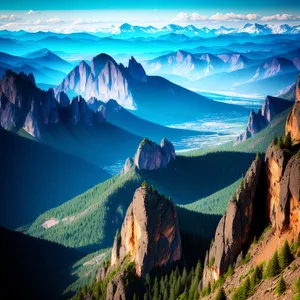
{"points": [[36, 177], [104, 205]]}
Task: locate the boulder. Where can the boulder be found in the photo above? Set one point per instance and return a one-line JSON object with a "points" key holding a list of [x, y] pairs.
{"points": [[150, 233]]}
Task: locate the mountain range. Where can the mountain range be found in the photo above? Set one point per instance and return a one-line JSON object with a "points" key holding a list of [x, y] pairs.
{"points": [[126, 30]]}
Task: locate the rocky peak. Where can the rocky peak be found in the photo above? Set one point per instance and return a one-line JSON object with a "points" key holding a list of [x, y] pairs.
{"points": [[127, 166], [80, 111], [233, 229], [98, 63], [63, 99], [23, 105], [151, 156], [136, 70], [150, 233], [272, 106]]}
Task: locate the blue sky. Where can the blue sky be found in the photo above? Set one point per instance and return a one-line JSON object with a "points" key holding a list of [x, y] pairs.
{"points": [[154, 4], [74, 16]]}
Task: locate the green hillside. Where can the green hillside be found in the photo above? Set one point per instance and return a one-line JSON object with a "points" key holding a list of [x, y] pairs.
{"points": [[36, 178]]}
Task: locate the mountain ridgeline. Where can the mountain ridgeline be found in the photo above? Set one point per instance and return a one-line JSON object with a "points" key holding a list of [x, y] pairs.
{"points": [[153, 98]]}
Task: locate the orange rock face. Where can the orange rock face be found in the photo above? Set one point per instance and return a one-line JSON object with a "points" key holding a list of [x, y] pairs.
{"points": [[150, 234], [293, 122], [298, 89]]}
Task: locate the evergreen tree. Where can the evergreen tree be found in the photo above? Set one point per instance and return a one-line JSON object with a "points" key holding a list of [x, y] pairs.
{"points": [[256, 277], [146, 297], [134, 297], [257, 156], [246, 288], [221, 294], [280, 142], [155, 289], [281, 286], [285, 256], [275, 141], [297, 286], [273, 267], [166, 295], [183, 277], [287, 141]]}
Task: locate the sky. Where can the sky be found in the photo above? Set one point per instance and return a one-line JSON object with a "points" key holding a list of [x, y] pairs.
{"points": [[74, 16]]}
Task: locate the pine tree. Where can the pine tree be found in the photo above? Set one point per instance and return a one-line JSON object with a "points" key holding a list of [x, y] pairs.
{"points": [[285, 256], [221, 294], [256, 277], [297, 286], [287, 141], [273, 267], [134, 297], [183, 277], [166, 295], [280, 142], [281, 286], [257, 156], [246, 288], [275, 141], [155, 289]]}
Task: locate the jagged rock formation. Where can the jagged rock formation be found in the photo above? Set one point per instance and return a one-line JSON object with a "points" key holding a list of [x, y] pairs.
{"points": [[150, 234], [136, 70], [258, 121], [293, 121], [104, 80], [127, 166], [150, 156], [63, 99], [24, 105], [278, 199], [233, 229]]}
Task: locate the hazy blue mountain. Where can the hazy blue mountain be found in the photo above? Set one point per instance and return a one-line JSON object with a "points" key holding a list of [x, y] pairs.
{"points": [[47, 58]]}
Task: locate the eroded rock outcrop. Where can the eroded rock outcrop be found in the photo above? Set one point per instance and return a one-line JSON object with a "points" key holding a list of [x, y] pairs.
{"points": [[150, 156], [136, 70], [127, 166], [258, 121], [25, 105], [150, 234], [276, 161], [297, 94], [233, 229], [104, 80]]}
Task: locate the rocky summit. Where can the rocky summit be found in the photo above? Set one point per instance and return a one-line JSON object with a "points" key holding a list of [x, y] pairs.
{"points": [[150, 234], [104, 80], [272, 106], [150, 156]]}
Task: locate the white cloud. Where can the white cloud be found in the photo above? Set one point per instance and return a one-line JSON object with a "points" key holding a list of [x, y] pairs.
{"points": [[54, 20], [37, 22], [231, 17], [85, 22], [33, 12], [279, 17], [11, 18], [185, 17]]}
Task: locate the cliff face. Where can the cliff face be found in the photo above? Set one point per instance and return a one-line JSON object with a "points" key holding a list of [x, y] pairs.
{"points": [[258, 121], [277, 198], [150, 234], [233, 229], [104, 80], [151, 156], [293, 121], [24, 105]]}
